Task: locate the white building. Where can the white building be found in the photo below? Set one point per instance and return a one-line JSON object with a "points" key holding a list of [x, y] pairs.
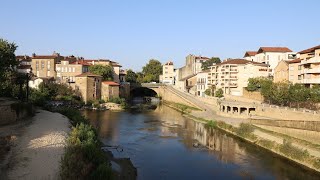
{"points": [[202, 83], [168, 75]]}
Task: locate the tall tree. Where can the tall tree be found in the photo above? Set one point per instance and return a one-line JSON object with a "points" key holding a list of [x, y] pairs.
{"points": [[206, 64], [7, 58], [152, 70], [105, 71], [131, 76]]}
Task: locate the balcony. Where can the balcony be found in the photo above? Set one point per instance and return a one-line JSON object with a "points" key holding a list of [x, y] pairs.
{"points": [[311, 81], [313, 60], [233, 77], [234, 70], [233, 84], [310, 71]]}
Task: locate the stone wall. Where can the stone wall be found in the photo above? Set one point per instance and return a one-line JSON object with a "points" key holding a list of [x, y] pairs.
{"points": [[295, 124], [256, 96], [14, 111]]}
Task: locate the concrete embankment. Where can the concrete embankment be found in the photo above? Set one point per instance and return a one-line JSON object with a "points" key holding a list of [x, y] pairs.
{"points": [[37, 151]]}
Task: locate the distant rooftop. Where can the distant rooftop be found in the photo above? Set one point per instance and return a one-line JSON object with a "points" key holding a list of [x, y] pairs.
{"points": [[273, 49], [309, 50]]}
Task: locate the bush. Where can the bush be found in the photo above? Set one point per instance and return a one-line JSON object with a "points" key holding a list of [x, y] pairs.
{"points": [[219, 93], [74, 115], [266, 143], [117, 100], [211, 124], [316, 163], [83, 158], [245, 130], [292, 151]]}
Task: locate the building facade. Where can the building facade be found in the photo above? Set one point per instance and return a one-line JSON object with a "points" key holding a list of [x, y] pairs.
{"points": [[167, 76], [89, 86], [110, 89], [68, 68], [202, 83], [232, 75], [250, 55], [44, 66], [281, 72], [116, 67], [24, 64]]}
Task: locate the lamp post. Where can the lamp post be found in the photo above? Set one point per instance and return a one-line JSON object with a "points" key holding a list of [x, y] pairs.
{"points": [[28, 77]]}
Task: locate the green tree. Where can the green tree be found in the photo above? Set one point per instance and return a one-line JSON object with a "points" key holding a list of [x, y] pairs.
{"points": [[131, 76], [7, 58], [105, 71], [152, 70], [139, 77], [280, 93], [299, 93], [315, 94], [219, 93], [206, 64]]}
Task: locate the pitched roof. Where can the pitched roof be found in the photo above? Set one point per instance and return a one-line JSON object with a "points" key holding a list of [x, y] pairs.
{"points": [[309, 50], [202, 57], [240, 61], [81, 62], [274, 49], [88, 74], [295, 61], [250, 53], [111, 83], [44, 57]]}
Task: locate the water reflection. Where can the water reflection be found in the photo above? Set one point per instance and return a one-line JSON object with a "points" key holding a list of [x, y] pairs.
{"points": [[161, 145]]}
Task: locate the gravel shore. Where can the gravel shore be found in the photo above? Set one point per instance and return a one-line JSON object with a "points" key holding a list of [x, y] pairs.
{"points": [[38, 150]]}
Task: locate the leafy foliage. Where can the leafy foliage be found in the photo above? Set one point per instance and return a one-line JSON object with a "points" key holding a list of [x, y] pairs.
{"points": [[7, 58], [245, 130], [131, 76], [206, 64], [292, 151], [105, 71], [219, 93], [152, 70]]}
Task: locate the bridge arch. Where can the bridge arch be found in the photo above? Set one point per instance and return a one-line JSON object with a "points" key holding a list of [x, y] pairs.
{"points": [[143, 92]]}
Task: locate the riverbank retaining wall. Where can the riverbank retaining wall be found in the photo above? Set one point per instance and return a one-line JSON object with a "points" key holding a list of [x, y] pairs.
{"points": [[12, 111]]}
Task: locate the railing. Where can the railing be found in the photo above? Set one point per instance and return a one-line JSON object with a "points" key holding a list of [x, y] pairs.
{"points": [[311, 81]]}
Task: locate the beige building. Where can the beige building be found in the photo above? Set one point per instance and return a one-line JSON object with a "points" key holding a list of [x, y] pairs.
{"points": [[110, 89], [281, 72], [250, 55], [167, 76], [202, 83], [232, 75], [294, 71], [68, 68], [45, 66], [89, 86], [309, 69]]}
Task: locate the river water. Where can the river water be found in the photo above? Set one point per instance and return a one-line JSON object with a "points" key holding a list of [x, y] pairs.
{"points": [[163, 144]]}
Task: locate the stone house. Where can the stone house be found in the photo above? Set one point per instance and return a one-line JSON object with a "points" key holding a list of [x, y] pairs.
{"points": [[44, 66], [109, 89], [70, 67], [89, 86], [281, 72]]}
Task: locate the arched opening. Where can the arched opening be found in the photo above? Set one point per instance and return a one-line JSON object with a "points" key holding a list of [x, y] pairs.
{"points": [[142, 92]]}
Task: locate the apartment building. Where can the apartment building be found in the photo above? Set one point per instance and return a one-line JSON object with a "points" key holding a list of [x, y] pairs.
{"points": [[122, 75], [44, 66], [167, 76], [89, 86], [24, 64], [309, 67], [232, 75], [110, 89], [281, 72], [202, 82], [68, 68]]}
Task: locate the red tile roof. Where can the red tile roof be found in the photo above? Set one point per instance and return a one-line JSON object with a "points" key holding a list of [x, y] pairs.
{"points": [[240, 61], [202, 57], [309, 50], [111, 83], [295, 61], [250, 53], [81, 62], [44, 57], [87, 74], [274, 49]]}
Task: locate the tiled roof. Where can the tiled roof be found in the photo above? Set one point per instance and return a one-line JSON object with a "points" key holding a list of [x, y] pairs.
{"points": [[81, 62], [295, 61], [87, 74], [274, 49], [309, 50], [240, 61], [250, 53], [111, 83], [44, 57]]}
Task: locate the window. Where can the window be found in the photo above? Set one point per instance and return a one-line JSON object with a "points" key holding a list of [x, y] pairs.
{"points": [[299, 77], [73, 69], [37, 65], [299, 67], [70, 69], [42, 64], [267, 57]]}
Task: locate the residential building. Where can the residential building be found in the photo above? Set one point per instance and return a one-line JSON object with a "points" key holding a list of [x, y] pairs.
{"points": [[167, 76], [295, 71], [89, 86], [68, 68], [122, 75], [109, 90], [310, 66], [24, 64], [281, 72], [232, 75], [250, 55], [202, 83], [44, 66], [273, 55]]}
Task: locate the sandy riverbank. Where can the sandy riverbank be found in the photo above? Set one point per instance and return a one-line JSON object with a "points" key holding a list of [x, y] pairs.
{"points": [[38, 149]]}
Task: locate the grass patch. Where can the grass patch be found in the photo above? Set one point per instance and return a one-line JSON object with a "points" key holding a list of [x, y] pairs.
{"points": [[316, 163], [294, 152], [211, 124], [267, 143], [183, 108]]}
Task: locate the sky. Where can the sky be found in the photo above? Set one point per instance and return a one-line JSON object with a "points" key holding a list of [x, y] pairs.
{"points": [[133, 31]]}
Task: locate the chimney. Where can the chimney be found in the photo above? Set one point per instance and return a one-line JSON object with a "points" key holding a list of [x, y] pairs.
{"points": [[33, 54]]}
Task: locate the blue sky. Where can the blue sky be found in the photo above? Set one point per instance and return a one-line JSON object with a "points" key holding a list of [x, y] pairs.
{"points": [[134, 31]]}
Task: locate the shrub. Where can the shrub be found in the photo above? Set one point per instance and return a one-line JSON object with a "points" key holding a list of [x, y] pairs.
{"points": [[245, 130], [74, 115], [219, 93], [316, 163], [266, 143], [292, 151], [211, 124], [117, 100]]}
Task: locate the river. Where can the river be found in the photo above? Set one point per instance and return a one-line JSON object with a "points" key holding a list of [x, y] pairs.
{"points": [[163, 144]]}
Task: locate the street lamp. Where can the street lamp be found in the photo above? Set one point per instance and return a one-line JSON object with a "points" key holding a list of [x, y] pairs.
{"points": [[29, 75]]}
